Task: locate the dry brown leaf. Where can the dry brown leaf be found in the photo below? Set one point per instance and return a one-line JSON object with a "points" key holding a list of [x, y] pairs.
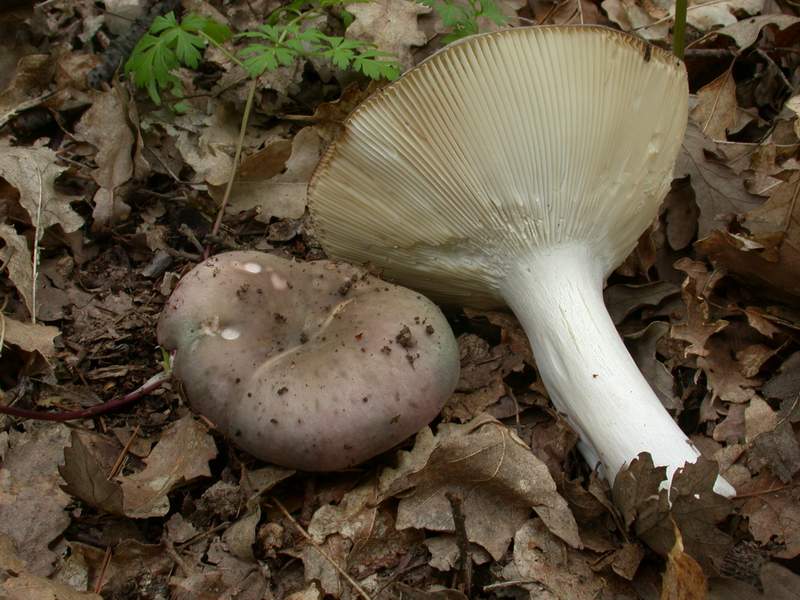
{"points": [[724, 376], [771, 253], [715, 111], [131, 560], [719, 194], [33, 171], [31, 79], [624, 299], [482, 364], [391, 25], [30, 587], [28, 336], [31, 503], [87, 465], [648, 19], [707, 14], [684, 578], [277, 192], [17, 258], [181, 455], [785, 384], [494, 473], [746, 32], [551, 570], [697, 327], [773, 513], [107, 126], [643, 347]]}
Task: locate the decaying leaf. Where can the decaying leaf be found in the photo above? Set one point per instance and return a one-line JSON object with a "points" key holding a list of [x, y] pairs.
{"points": [[550, 569], [497, 477], [181, 455], [31, 504], [86, 469], [684, 578], [746, 31], [390, 24], [723, 371], [773, 512], [642, 345], [719, 194], [716, 109], [771, 253], [28, 336], [275, 179], [32, 171]]}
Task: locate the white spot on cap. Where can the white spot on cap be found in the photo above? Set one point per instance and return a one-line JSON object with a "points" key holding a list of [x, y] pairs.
{"points": [[278, 282], [229, 333], [252, 267]]}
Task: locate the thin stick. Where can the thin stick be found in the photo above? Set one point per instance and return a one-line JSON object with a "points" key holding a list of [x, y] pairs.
{"points": [[103, 567], [37, 233], [152, 384], [361, 592], [118, 463]]}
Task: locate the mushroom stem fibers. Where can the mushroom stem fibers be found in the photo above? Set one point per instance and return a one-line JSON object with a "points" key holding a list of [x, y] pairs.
{"points": [[557, 295]]}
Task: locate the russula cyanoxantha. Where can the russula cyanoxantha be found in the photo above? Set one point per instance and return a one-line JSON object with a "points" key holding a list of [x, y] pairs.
{"points": [[521, 167], [309, 365]]}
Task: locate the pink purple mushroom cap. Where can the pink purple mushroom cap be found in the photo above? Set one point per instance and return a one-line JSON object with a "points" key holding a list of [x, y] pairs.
{"points": [[310, 365]]}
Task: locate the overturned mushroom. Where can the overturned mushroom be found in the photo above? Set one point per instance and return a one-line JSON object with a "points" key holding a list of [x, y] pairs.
{"points": [[316, 366], [520, 167]]}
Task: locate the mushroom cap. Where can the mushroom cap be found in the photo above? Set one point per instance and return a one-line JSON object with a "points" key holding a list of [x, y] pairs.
{"points": [[499, 144], [315, 366]]}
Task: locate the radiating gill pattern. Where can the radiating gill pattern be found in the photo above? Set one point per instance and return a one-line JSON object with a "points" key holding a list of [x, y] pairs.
{"points": [[499, 145]]}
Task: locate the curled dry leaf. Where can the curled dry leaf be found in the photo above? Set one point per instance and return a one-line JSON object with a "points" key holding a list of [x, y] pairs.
{"points": [[494, 473], [623, 299], [107, 126], [29, 337], [684, 578]]}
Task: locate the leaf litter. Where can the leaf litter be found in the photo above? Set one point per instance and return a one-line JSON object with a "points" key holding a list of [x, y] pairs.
{"points": [[105, 199]]}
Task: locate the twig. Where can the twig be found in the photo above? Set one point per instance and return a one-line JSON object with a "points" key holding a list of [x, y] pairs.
{"points": [[103, 567], [464, 561], [361, 592], [118, 463], [37, 233], [152, 384]]}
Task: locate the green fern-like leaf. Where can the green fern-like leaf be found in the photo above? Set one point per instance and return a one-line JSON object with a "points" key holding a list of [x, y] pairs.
{"points": [[167, 45]]}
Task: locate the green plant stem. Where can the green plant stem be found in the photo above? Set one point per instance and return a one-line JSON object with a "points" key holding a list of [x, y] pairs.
{"points": [[220, 47], [235, 166], [243, 127], [679, 28]]}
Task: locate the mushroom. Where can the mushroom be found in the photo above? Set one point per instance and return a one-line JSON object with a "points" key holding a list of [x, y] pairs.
{"points": [[520, 167], [315, 366]]}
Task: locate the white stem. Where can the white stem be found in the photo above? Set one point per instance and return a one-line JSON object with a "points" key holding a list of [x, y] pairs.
{"points": [[557, 295]]}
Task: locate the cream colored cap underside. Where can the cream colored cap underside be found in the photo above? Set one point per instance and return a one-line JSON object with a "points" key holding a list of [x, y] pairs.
{"points": [[500, 144]]}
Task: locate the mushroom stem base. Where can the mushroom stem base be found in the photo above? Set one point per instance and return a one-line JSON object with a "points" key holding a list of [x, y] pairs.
{"points": [[557, 295]]}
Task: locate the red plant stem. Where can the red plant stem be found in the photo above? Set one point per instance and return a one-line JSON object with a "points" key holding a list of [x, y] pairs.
{"points": [[151, 385]]}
